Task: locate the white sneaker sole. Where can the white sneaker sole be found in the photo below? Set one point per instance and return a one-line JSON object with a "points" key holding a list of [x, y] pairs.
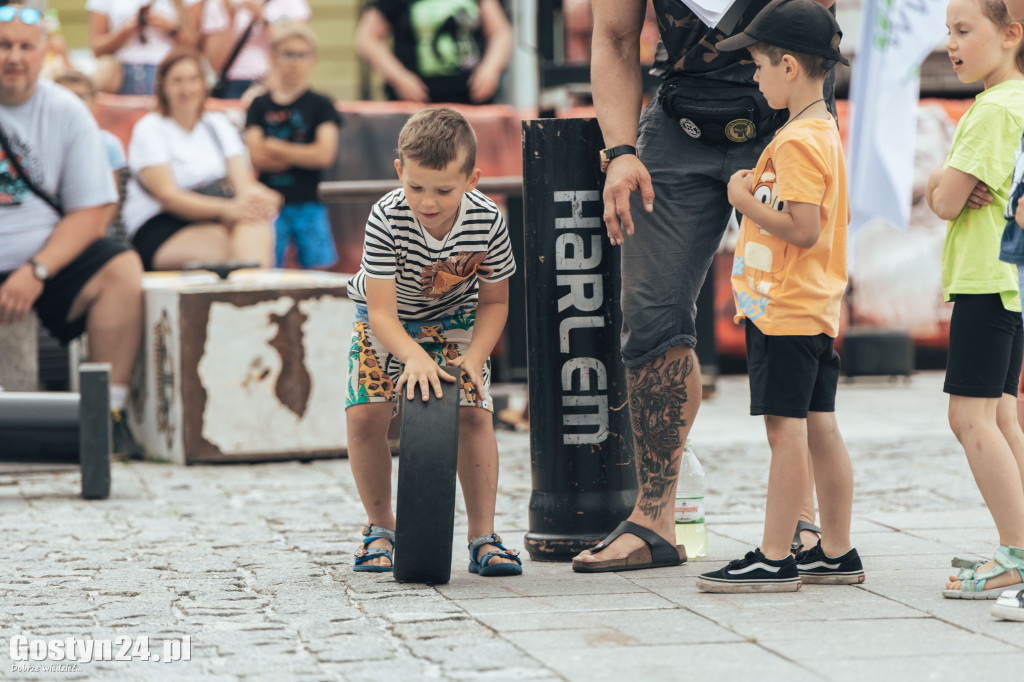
{"points": [[748, 587], [833, 578], [1007, 613]]}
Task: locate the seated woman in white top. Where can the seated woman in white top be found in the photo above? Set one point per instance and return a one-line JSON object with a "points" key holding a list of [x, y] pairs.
{"points": [[130, 37], [182, 161]]}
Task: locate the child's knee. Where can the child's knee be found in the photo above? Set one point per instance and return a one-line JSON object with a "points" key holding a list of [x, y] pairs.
{"points": [[475, 418], [368, 420]]}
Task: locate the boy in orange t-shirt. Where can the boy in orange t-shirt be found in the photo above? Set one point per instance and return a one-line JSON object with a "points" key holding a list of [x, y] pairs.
{"points": [[789, 276]]}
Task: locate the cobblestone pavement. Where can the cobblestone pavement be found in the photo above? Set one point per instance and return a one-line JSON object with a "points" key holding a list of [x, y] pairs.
{"points": [[252, 563]]}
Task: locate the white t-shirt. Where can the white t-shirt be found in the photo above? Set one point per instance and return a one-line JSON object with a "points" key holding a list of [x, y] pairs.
{"points": [[253, 62], [433, 277], [57, 143], [195, 158], [119, 12]]}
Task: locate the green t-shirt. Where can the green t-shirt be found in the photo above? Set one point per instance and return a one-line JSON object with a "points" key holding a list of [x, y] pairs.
{"points": [[983, 146]]}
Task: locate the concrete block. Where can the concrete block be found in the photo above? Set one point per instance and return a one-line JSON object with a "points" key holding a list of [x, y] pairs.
{"points": [[245, 369], [19, 355]]}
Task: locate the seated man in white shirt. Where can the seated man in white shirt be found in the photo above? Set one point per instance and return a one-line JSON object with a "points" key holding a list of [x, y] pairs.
{"points": [[54, 213]]}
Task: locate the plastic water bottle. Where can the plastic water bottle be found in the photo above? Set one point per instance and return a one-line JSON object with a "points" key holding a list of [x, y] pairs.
{"points": [[690, 529]]}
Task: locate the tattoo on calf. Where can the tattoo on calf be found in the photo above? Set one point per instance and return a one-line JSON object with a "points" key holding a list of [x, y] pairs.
{"points": [[657, 398]]}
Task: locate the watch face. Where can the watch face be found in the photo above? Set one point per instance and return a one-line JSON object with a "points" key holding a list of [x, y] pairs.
{"points": [[40, 271]]}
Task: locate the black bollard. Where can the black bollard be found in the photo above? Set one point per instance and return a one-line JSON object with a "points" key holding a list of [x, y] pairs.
{"points": [[580, 442]]}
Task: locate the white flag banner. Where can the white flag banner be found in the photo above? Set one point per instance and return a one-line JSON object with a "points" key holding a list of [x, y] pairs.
{"points": [[896, 37]]}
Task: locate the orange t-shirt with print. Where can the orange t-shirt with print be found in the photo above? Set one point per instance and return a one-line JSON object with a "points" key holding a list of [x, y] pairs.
{"points": [[781, 288]]}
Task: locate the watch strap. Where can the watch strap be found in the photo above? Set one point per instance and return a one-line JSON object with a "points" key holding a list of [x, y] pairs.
{"points": [[611, 152]]}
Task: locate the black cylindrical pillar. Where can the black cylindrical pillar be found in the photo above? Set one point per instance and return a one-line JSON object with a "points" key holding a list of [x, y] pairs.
{"points": [[580, 441]]}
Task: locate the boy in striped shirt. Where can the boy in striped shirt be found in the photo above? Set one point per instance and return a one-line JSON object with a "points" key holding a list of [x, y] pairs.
{"points": [[432, 289]]}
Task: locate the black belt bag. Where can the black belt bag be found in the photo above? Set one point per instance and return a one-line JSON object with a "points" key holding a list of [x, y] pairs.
{"points": [[712, 111]]}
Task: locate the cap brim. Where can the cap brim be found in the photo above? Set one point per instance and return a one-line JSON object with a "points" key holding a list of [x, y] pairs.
{"points": [[738, 42]]}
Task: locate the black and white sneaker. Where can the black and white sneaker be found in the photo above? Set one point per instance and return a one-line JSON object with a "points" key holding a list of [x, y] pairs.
{"points": [[818, 568], [1009, 606], [123, 445], [753, 573]]}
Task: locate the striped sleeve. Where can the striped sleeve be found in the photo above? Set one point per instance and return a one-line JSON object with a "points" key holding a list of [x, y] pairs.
{"points": [[499, 251], [379, 254]]}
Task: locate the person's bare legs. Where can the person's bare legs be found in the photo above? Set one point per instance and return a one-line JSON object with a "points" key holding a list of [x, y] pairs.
{"points": [[478, 473], [252, 241], [787, 483], [369, 456], [996, 467], [808, 511], [206, 242], [112, 303], [664, 396], [1006, 418], [833, 475]]}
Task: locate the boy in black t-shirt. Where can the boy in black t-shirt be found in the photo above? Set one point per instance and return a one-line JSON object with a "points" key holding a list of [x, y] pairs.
{"points": [[292, 134]]}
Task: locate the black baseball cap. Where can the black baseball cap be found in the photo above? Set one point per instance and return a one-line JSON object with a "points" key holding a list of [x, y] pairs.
{"points": [[799, 25]]}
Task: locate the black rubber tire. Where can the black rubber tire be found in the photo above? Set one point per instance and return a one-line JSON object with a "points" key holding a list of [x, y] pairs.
{"points": [[427, 468]]}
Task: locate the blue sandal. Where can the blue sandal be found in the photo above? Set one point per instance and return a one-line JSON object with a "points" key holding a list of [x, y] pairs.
{"points": [[366, 553], [972, 581], [485, 566]]}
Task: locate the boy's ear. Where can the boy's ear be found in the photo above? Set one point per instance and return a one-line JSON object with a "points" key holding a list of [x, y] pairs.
{"points": [[474, 178], [791, 65], [398, 168]]}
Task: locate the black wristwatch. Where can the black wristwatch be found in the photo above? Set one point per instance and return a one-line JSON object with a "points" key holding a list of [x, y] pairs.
{"points": [[41, 272], [608, 154]]}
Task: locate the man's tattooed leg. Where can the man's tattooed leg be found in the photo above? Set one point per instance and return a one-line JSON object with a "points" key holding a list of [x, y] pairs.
{"points": [[657, 409]]}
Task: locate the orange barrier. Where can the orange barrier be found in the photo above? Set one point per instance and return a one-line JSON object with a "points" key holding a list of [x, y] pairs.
{"points": [[497, 126]]}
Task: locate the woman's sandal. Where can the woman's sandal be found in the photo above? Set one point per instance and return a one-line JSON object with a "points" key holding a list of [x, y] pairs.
{"points": [[972, 583], [655, 554], [367, 553], [485, 565], [801, 526]]}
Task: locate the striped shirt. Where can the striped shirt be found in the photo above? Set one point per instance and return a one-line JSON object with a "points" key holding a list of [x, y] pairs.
{"points": [[433, 277]]}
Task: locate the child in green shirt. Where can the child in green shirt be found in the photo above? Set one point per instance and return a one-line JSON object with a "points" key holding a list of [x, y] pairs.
{"points": [[986, 337]]}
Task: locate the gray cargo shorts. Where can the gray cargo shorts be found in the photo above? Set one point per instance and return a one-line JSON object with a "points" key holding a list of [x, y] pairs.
{"points": [[665, 261]]}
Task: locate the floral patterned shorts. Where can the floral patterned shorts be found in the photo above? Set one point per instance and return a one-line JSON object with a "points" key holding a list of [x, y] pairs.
{"points": [[373, 371]]}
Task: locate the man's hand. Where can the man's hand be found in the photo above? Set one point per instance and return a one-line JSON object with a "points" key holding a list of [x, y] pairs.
{"points": [[739, 186], [18, 294], [1018, 216], [474, 369], [626, 174]]}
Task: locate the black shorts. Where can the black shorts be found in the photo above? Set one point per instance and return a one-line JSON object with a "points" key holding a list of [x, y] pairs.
{"points": [[153, 233], [60, 291], [791, 375], [986, 344]]}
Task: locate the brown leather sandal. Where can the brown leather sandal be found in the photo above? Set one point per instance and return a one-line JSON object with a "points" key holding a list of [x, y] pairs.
{"points": [[656, 554]]}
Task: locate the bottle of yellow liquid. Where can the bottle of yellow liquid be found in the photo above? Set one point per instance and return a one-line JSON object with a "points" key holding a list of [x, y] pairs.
{"points": [[690, 529]]}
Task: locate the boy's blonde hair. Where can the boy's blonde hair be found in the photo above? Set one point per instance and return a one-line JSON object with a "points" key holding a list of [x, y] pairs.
{"points": [[294, 29], [435, 137], [995, 11], [75, 77], [812, 64]]}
